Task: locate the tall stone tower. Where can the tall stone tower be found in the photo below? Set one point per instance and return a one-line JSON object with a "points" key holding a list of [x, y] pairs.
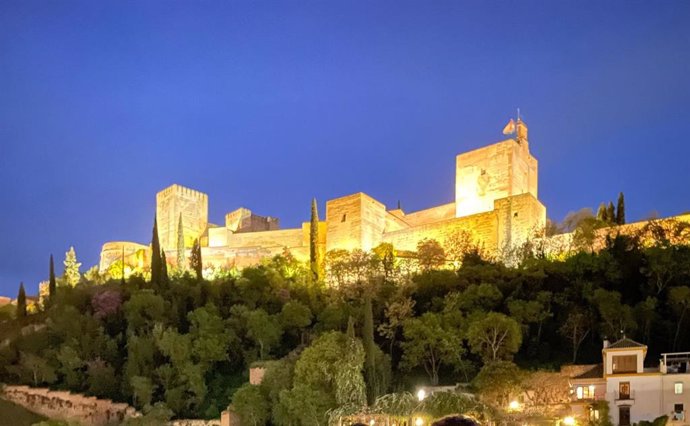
{"points": [[177, 200], [487, 174]]}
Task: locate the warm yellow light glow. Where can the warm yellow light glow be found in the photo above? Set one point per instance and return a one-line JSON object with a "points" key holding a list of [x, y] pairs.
{"points": [[569, 421], [418, 421], [371, 422], [514, 405], [421, 394]]}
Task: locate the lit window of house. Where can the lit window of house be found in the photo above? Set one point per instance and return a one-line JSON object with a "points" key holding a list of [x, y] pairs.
{"points": [[678, 388], [585, 392]]}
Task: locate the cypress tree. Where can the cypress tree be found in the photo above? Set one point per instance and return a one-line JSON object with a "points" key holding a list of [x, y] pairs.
{"points": [[601, 213], [180, 246], [620, 210], [164, 270], [52, 283], [369, 351], [21, 302], [156, 266], [611, 213], [195, 261], [314, 241]]}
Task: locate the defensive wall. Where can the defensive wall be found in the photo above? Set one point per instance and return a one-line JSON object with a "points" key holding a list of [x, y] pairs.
{"points": [[69, 407]]}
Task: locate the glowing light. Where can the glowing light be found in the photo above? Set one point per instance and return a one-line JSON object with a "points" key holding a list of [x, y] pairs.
{"points": [[371, 422], [569, 421], [418, 421], [421, 394], [514, 405]]}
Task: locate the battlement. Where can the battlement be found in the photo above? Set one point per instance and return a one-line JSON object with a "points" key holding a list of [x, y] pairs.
{"points": [[495, 200]]}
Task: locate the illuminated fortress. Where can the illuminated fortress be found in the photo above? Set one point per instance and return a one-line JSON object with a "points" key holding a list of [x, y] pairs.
{"points": [[496, 202]]}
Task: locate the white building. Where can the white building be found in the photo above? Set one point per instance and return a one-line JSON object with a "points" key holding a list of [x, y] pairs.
{"points": [[634, 393]]}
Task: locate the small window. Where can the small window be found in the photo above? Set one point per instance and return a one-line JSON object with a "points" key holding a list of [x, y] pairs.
{"points": [[344, 218], [678, 388], [515, 214], [483, 172], [678, 408]]}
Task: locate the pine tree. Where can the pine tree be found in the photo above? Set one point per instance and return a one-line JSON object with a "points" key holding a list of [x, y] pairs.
{"points": [[611, 213], [52, 283], [181, 266], [601, 213], [21, 302], [156, 266], [195, 262], [71, 274], [620, 210], [314, 242]]}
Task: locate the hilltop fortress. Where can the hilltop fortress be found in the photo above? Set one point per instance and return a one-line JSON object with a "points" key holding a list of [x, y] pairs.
{"points": [[496, 202]]}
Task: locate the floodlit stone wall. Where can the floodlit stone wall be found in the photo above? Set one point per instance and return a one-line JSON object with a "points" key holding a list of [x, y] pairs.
{"points": [[66, 406], [482, 226], [493, 172], [355, 221], [434, 214], [136, 256], [177, 200]]}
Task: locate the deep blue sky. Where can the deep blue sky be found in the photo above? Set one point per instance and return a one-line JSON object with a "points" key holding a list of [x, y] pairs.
{"points": [[267, 104]]}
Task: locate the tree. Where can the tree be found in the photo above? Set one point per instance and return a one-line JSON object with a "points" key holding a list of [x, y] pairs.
{"points": [[679, 299], [617, 318], [620, 210], [52, 283], [602, 213], [314, 255], [429, 344], [497, 381], [181, 263], [396, 312], [576, 328], [251, 405], [21, 302], [611, 213], [156, 261], [494, 337], [328, 374], [264, 329], [71, 275], [430, 254], [165, 278], [195, 261]]}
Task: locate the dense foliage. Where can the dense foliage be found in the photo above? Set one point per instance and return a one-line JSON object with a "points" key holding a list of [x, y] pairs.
{"points": [[185, 344]]}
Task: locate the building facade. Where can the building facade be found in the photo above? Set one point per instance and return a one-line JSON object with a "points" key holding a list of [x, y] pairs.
{"points": [[495, 202], [634, 393]]}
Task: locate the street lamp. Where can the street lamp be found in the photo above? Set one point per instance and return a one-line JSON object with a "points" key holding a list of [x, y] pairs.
{"points": [[421, 394], [514, 405], [569, 421], [418, 421]]}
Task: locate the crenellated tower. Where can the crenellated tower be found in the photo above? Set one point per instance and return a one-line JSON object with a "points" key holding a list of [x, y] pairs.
{"points": [[177, 200]]}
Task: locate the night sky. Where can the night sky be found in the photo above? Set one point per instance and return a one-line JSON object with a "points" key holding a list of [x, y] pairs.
{"points": [[267, 104]]}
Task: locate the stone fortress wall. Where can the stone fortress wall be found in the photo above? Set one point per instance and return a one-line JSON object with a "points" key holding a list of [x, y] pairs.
{"points": [[496, 201], [69, 407]]}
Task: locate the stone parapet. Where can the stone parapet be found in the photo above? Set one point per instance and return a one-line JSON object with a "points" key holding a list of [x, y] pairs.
{"points": [[69, 407]]}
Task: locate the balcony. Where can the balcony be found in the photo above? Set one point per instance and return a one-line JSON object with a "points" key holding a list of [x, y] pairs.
{"points": [[625, 398]]}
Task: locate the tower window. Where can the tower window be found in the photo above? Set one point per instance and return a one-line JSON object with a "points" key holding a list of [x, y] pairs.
{"points": [[678, 388], [344, 218]]}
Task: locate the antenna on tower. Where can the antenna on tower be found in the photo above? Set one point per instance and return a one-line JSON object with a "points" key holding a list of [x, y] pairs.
{"points": [[518, 113]]}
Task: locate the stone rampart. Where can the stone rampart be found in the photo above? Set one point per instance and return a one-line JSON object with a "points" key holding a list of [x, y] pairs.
{"points": [[69, 407], [195, 422]]}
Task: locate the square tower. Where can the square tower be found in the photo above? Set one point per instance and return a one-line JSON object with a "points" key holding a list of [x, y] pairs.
{"points": [[501, 170], [177, 200], [355, 221]]}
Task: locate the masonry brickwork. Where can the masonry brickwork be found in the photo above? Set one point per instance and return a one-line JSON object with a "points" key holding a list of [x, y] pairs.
{"points": [[495, 201]]}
